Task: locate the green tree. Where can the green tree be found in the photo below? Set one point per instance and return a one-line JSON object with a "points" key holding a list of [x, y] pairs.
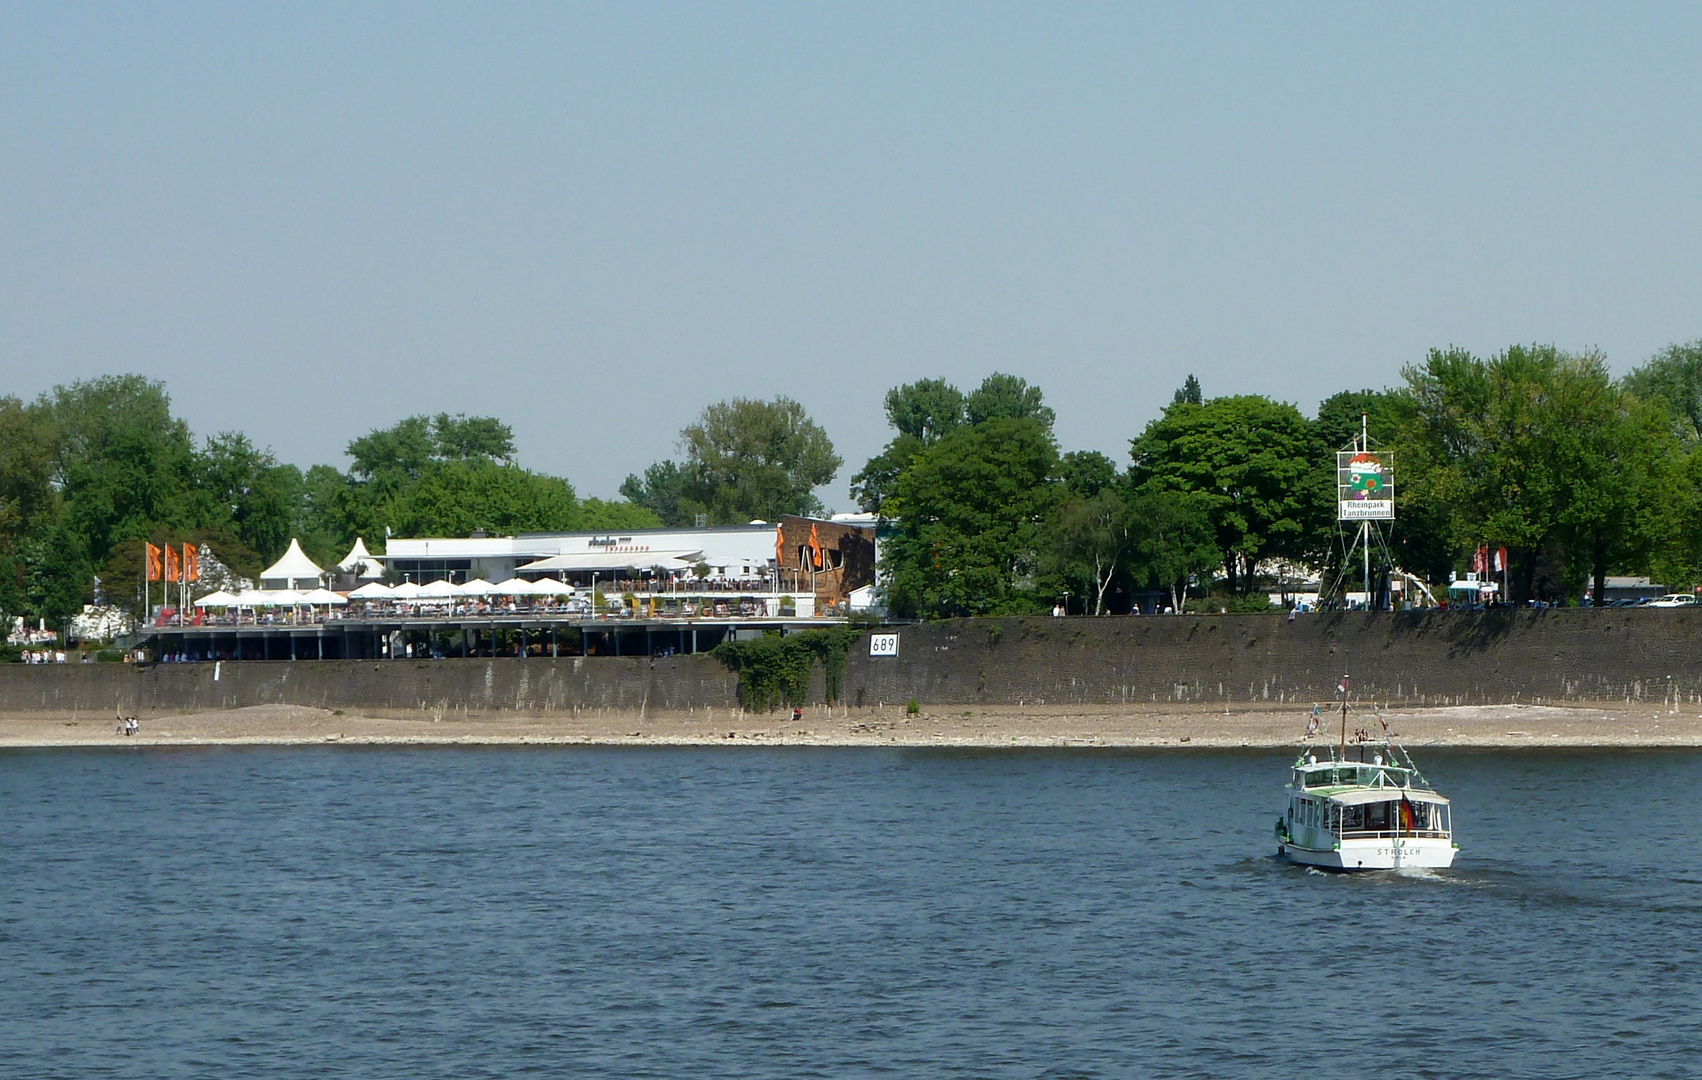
{"points": [[665, 491], [1088, 542], [1086, 473], [921, 413], [122, 462], [975, 507], [456, 498], [249, 493], [927, 410], [472, 438], [1171, 540], [407, 476], [1002, 396], [603, 515], [1521, 447], [1250, 464], [1189, 393], [327, 518], [28, 501], [1674, 377], [757, 459]]}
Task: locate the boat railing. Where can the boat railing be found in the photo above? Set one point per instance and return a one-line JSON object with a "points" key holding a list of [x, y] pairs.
{"points": [[1394, 834]]}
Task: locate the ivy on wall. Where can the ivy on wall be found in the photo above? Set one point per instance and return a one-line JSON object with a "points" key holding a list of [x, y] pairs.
{"points": [[775, 670]]}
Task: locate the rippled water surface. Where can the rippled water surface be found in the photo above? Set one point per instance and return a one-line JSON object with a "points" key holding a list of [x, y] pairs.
{"points": [[833, 913]]}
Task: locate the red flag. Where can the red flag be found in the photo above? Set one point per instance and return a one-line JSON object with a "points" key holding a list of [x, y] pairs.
{"points": [[1500, 559], [154, 571], [172, 567], [815, 546], [191, 563], [1480, 560]]}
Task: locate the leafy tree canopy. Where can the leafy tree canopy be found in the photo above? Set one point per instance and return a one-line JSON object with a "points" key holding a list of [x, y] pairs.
{"points": [[1087, 472], [1674, 378], [1007, 397], [1518, 446], [665, 491], [757, 459], [975, 504], [1249, 463]]}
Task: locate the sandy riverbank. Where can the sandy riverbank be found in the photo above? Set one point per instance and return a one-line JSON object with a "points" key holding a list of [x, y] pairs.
{"points": [[1596, 725]]}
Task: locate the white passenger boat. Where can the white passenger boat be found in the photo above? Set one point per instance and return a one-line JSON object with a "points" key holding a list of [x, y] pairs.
{"points": [[1369, 810]]}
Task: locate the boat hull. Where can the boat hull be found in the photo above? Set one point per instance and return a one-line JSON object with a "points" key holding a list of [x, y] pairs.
{"points": [[1377, 854]]}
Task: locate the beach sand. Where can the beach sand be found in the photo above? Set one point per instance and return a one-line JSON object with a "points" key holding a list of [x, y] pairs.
{"points": [[1616, 724]]}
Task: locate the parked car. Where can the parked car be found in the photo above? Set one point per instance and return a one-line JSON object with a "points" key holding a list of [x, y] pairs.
{"points": [[1676, 599]]}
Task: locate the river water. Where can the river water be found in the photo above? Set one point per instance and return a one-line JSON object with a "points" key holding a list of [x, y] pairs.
{"points": [[829, 913]]}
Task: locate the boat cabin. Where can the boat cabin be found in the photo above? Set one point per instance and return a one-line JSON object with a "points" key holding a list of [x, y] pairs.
{"points": [[1339, 800]]}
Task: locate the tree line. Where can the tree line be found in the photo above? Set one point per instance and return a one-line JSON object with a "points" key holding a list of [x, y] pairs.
{"points": [[1538, 450], [1533, 449], [91, 471]]}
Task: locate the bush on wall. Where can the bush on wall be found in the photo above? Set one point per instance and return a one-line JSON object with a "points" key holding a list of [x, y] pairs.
{"points": [[775, 670]]}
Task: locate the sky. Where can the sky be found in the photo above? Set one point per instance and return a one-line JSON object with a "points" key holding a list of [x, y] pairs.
{"points": [[592, 220]]}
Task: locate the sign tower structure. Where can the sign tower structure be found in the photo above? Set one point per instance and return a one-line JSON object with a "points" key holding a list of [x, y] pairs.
{"points": [[1365, 494]]}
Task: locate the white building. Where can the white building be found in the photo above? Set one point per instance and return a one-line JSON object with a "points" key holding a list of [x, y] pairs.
{"points": [[733, 552]]}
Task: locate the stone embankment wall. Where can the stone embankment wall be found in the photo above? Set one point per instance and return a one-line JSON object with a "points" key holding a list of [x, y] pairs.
{"points": [[1412, 658]]}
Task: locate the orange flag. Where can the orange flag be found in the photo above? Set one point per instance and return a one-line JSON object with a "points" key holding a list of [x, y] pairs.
{"points": [[815, 546], [779, 547], [172, 569], [191, 563], [154, 571]]}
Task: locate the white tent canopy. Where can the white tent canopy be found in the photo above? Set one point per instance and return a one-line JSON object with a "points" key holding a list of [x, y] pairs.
{"points": [[551, 587], [373, 590], [408, 590], [268, 598], [322, 596], [217, 599], [438, 590], [476, 587], [361, 562], [515, 586], [294, 567], [600, 561]]}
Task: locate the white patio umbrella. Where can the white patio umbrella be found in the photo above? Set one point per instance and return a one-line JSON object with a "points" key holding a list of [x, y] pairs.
{"points": [[322, 596], [438, 590], [408, 590], [515, 587], [272, 598], [373, 590], [218, 599], [477, 587], [549, 586]]}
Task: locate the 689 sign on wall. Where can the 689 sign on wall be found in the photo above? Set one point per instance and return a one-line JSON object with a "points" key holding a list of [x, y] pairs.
{"points": [[883, 644]]}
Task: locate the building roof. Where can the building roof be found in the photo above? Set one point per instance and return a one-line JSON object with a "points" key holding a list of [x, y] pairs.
{"points": [[295, 565], [361, 562], [582, 561]]}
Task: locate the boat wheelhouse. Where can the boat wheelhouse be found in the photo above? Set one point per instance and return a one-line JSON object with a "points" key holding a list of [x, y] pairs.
{"points": [[1376, 814]]}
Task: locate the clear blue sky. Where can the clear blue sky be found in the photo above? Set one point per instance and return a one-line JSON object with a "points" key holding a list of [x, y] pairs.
{"points": [[591, 220]]}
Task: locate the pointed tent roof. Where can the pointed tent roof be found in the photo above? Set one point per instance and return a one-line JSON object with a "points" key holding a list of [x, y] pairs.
{"points": [[294, 566], [361, 562]]}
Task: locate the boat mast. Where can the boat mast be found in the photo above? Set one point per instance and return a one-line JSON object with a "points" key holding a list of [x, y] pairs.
{"points": [[1344, 717]]}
